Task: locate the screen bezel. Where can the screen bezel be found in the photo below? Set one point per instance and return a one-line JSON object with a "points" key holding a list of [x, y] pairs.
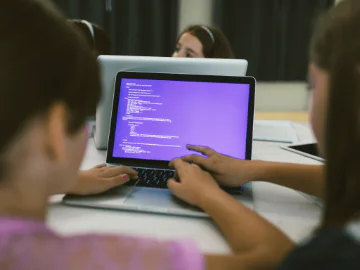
{"points": [[174, 77]]}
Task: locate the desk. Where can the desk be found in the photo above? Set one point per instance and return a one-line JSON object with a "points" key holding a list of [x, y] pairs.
{"points": [[285, 208], [291, 116]]}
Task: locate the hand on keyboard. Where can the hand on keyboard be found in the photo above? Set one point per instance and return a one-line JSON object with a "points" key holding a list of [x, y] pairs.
{"points": [[227, 171]]}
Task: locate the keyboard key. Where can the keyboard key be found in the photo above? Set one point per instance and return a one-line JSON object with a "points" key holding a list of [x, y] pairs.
{"points": [[153, 177], [158, 178]]}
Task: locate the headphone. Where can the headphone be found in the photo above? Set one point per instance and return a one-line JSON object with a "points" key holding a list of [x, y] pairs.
{"points": [[90, 27], [91, 30], [211, 35]]}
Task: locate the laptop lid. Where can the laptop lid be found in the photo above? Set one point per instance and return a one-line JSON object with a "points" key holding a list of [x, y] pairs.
{"points": [[156, 115]]}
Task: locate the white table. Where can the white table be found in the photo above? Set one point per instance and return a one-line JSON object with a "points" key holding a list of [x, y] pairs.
{"points": [[285, 208]]}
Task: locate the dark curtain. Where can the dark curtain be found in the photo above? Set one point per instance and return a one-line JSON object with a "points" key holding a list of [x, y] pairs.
{"points": [[135, 27], [273, 35], [145, 27], [92, 10]]}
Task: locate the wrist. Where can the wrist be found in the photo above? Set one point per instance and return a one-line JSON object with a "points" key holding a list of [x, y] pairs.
{"points": [[208, 198], [259, 170]]}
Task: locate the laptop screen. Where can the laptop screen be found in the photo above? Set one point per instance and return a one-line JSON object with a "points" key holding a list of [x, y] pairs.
{"points": [[157, 118]]}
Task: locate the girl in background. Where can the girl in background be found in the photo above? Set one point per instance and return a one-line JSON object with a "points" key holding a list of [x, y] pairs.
{"points": [[200, 41]]}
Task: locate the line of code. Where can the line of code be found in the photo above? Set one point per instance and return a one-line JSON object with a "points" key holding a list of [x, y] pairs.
{"points": [[142, 100]]}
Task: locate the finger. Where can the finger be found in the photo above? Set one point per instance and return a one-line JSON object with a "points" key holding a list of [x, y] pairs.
{"points": [[101, 165], [196, 159], [203, 169], [174, 186], [176, 177], [178, 164], [118, 170], [201, 149]]}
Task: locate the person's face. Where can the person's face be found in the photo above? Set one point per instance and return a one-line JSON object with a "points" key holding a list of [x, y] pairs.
{"points": [[188, 46], [318, 109]]}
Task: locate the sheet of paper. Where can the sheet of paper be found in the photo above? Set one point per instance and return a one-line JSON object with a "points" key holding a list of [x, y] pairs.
{"points": [[274, 131]]}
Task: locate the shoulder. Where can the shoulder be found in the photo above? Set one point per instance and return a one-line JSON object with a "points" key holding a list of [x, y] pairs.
{"points": [[140, 253], [332, 249], [40, 248]]}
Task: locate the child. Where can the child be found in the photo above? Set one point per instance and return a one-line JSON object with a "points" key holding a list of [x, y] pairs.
{"points": [[335, 118], [200, 41]]}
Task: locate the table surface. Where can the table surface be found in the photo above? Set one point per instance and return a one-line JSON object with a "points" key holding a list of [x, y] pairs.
{"points": [[291, 116], [286, 208]]}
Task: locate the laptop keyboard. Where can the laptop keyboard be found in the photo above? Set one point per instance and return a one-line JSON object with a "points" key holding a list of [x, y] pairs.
{"points": [[156, 178]]}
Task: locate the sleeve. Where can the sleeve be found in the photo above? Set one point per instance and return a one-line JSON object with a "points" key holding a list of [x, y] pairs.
{"points": [[132, 253], [330, 250], [106, 252]]}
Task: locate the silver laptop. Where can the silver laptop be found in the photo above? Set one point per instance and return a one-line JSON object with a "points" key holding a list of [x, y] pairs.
{"points": [[111, 65], [155, 116]]}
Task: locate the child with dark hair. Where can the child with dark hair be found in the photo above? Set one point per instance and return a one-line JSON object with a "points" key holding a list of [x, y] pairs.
{"points": [[335, 117], [95, 37], [200, 41]]}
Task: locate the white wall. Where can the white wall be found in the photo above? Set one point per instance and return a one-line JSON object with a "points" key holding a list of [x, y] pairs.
{"points": [[281, 97], [195, 12]]}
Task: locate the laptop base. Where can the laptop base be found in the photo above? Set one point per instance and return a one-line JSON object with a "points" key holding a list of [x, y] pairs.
{"points": [[150, 200]]}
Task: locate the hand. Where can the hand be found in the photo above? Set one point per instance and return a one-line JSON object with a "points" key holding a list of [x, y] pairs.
{"points": [[102, 178], [194, 184], [227, 171]]}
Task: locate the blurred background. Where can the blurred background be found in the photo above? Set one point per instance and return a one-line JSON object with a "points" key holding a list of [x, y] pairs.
{"points": [[273, 35]]}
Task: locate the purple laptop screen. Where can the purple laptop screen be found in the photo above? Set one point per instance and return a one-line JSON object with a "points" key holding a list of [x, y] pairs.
{"points": [[158, 118]]}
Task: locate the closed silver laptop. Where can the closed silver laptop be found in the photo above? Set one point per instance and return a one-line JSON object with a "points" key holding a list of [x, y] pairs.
{"points": [[110, 65]]}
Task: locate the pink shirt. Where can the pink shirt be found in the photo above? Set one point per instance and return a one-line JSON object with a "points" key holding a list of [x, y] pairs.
{"points": [[26, 244]]}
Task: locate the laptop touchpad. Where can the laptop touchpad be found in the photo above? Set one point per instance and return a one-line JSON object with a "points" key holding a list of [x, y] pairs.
{"points": [[154, 198]]}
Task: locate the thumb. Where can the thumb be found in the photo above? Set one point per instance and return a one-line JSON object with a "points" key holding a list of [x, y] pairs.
{"points": [[174, 186]]}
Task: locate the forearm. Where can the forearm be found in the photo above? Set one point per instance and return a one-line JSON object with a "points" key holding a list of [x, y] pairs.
{"points": [[244, 229], [309, 179]]}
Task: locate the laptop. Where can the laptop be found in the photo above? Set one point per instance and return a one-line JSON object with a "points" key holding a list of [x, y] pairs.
{"points": [[154, 117]]}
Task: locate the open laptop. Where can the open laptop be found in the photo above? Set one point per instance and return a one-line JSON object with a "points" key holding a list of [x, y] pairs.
{"points": [[154, 116]]}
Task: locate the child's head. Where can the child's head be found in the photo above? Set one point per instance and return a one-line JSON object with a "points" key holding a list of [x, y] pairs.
{"points": [[50, 84], [95, 37], [200, 41], [335, 113]]}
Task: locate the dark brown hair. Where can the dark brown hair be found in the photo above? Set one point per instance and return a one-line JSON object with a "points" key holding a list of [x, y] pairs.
{"points": [[335, 48], [215, 43], [43, 61], [99, 42]]}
